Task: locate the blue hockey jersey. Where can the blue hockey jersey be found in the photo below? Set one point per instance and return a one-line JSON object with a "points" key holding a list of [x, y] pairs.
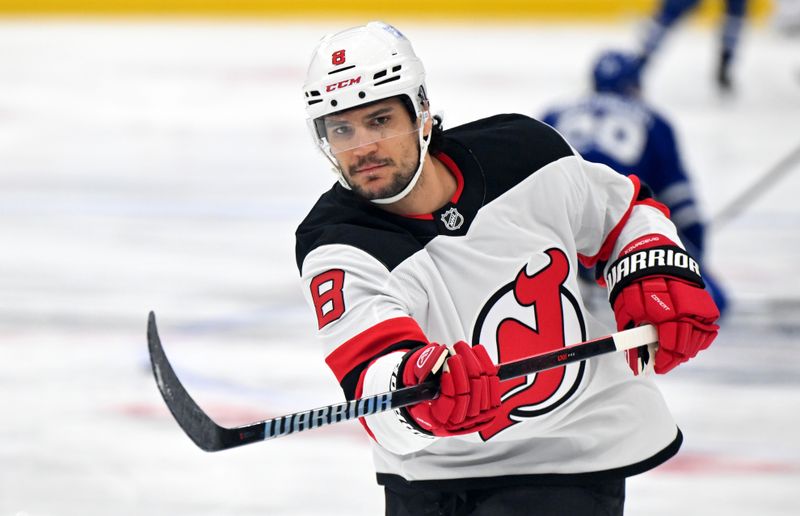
{"points": [[625, 134], [631, 138]]}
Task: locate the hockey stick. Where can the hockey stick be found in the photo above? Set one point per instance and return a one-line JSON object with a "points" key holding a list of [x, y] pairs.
{"points": [[755, 190], [211, 437]]}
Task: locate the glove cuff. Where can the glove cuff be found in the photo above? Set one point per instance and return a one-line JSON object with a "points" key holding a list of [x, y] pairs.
{"points": [[667, 260]]}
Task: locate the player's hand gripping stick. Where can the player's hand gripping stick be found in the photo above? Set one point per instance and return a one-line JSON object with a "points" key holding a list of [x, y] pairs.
{"points": [[469, 394], [660, 284]]}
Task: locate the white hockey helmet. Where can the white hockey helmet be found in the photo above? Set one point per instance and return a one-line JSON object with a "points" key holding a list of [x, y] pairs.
{"points": [[358, 66]]}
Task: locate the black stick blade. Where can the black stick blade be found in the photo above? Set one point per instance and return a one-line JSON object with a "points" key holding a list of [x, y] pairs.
{"points": [[198, 426]]}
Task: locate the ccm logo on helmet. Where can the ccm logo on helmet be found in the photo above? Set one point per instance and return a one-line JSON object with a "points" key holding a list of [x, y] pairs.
{"points": [[342, 84]]}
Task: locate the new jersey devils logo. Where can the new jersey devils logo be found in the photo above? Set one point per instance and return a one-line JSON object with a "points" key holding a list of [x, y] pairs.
{"points": [[531, 315]]}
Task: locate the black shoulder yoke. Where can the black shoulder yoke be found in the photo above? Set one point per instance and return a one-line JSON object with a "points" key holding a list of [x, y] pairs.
{"points": [[493, 155]]}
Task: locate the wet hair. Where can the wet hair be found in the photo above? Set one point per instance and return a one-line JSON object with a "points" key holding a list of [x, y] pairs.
{"points": [[437, 135]]}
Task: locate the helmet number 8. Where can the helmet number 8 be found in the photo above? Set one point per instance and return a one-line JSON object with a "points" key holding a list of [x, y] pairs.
{"points": [[337, 58]]}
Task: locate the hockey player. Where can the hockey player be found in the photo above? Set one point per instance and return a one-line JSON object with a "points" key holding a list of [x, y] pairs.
{"points": [[671, 11], [441, 253], [614, 126]]}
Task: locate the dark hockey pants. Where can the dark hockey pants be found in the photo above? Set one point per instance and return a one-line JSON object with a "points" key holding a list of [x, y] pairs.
{"points": [[601, 499]]}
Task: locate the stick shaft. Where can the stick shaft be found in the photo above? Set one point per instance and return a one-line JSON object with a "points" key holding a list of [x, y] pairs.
{"points": [[750, 194], [211, 437]]}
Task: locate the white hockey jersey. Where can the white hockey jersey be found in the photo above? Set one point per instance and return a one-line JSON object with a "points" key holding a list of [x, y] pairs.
{"points": [[498, 266]]}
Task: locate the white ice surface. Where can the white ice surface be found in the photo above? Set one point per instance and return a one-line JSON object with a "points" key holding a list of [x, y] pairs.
{"points": [[165, 165]]}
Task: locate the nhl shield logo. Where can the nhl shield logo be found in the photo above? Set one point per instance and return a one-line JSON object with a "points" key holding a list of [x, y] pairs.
{"points": [[452, 219]]}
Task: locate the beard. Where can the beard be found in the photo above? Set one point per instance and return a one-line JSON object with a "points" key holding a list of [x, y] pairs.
{"points": [[400, 178]]}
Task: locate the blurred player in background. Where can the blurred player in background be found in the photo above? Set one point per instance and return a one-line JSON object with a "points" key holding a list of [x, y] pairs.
{"points": [[439, 253], [670, 13], [616, 127]]}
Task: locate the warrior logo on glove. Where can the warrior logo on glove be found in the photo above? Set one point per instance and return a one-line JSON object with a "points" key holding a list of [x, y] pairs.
{"points": [[654, 281]]}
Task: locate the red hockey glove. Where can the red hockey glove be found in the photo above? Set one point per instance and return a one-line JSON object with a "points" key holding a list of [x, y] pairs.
{"points": [[661, 285], [469, 396]]}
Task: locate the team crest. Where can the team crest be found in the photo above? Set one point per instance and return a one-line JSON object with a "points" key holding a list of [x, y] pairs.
{"points": [[452, 219], [532, 314]]}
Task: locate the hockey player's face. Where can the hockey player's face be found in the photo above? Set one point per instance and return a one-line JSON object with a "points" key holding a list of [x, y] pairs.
{"points": [[376, 146]]}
